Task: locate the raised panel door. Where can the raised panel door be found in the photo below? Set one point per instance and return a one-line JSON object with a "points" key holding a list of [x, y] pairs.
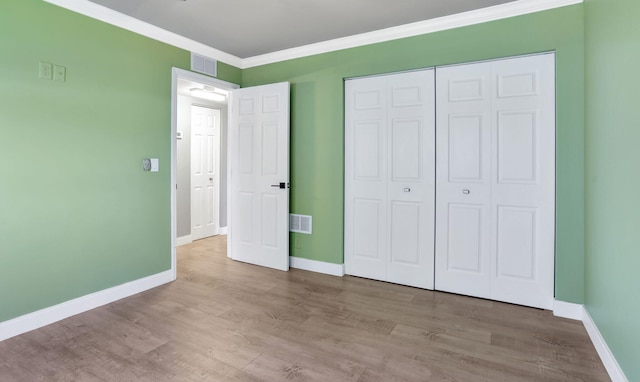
{"points": [[259, 162], [523, 191], [463, 181], [389, 178], [366, 178], [205, 132], [411, 178], [496, 180]]}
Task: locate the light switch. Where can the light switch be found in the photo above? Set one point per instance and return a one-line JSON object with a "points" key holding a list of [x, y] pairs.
{"points": [[155, 164], [59, 73]]}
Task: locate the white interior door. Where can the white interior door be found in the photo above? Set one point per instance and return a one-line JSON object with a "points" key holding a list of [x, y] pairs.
{"points": [[463, 179], [205, 171], [496, 180], [259, 175], [389, 178]]}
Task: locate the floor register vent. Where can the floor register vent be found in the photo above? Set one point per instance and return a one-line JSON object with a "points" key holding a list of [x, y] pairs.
{"points": [[300, 223]]}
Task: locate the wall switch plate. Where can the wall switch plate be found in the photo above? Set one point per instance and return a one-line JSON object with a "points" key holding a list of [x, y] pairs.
{"points": [[59, 73], [45, 70], [150, 164], [155, 164]]}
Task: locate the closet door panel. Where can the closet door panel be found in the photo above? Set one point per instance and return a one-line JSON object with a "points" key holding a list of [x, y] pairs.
{"points": [[523, 190], [366, 178], [496, 180], [411, 181], [463, 182], [389, 150]]}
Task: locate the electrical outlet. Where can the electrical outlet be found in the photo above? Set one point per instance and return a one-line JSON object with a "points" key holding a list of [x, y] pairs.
{"points": [[46, 70], [59, 73]]}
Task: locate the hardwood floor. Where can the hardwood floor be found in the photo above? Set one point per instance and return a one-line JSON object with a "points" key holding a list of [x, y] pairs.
{"points": [[229, 321]]}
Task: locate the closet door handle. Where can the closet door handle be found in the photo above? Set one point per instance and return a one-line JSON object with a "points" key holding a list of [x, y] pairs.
{"points": [[466, 192]]}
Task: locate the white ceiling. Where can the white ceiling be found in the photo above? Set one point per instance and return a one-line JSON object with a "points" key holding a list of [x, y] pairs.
{"points": [[249, 28]]}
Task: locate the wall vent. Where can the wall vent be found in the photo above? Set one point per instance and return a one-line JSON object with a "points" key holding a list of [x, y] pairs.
{"points": [[300, 223], [204, 65]]}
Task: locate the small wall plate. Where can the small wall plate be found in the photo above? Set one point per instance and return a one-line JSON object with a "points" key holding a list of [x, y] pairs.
{"points": [[155, 164]]}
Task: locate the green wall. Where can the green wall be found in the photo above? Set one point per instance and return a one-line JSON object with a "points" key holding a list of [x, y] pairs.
{"points": [[613, 176], [317, 147], [77, 213]]}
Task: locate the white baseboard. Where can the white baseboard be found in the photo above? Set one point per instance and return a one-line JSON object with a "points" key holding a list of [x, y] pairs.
{"points": [[568, 310], [613, 368], [46, 316], [184, 240], [316, 266], [188, 239], [579, 312]]}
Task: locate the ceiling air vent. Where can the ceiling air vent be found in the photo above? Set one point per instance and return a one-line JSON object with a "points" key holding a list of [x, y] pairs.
{"points": [[300, 223], [204, 65]]}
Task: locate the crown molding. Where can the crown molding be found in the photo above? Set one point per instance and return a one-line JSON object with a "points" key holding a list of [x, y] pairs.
{"points": [[99, 12], [497, 12]]}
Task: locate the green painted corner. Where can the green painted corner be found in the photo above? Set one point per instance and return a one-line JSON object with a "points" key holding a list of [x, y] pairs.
{"points": [[229, 73], [317, 125], [612, 156]]}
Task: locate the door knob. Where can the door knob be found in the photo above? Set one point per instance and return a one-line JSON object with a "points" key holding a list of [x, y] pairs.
{"points": [[466, 192]]}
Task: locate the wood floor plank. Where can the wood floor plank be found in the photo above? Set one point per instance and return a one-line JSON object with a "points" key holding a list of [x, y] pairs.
{"points": [[223, 320]]}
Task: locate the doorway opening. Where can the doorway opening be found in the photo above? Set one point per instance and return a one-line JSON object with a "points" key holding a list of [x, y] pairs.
{"points": [[187, 91]]}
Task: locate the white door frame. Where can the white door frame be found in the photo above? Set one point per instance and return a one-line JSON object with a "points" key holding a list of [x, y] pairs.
{"points": [[177, 73]]}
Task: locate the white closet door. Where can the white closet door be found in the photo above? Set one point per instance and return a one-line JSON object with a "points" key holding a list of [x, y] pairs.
{"points": [[496, 180], [463, 179], [389, 178], [411, 178], [366, 178], [524, 180]]}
